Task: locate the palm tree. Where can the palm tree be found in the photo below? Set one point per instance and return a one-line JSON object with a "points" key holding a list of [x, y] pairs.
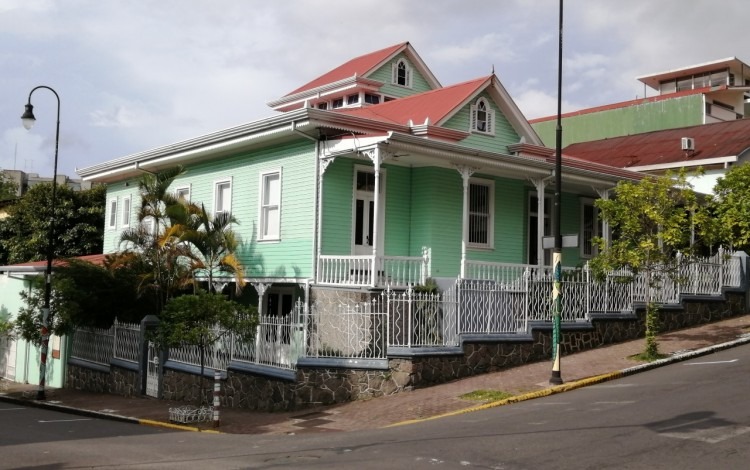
{"points": [[213, 244], [156, 238]]}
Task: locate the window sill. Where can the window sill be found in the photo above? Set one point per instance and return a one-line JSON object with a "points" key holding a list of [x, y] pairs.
{"points": [[481, 247], [269, 240]]}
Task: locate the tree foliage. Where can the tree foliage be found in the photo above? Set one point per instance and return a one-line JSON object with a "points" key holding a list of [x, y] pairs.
{"points": [[730, 208], [651, 222], [8, 188], [84, 295], [155, 240], [202, 320], [79, 224], [213, 244]]}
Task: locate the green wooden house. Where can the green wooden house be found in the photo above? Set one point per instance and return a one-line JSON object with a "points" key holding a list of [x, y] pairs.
{"points": [[375, 175]]}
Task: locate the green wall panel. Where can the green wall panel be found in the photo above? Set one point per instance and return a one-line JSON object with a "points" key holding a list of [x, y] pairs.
{"points": [[645, 117], [293, 252]]}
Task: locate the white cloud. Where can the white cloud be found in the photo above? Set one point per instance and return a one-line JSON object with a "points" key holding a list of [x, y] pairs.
{"points": [[133, 75]]}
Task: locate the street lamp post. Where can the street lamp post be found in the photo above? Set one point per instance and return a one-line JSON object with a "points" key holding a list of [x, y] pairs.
{"points": [[556, 377], [28, 120]]}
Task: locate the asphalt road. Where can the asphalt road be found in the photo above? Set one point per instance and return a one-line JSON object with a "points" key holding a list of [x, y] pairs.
{"points": [[689, 415]]}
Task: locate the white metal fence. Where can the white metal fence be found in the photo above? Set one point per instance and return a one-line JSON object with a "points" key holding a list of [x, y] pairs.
{"points": [[100, 345], [346, 331], [502, 300]]}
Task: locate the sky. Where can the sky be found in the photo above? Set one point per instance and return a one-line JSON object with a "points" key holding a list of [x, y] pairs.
{"points": [[138, 74]]}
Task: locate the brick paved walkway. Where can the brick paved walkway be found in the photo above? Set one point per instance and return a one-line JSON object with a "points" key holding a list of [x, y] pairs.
{"points": [[420, 403]]}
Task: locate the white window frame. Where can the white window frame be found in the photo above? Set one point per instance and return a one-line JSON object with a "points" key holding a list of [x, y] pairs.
{"points": [[490, 214], [126, 211], [149, 225], [482, 105], [228, 206], [264, 207], [595, 229], [408, 72], [112, 213], [183, 188]]}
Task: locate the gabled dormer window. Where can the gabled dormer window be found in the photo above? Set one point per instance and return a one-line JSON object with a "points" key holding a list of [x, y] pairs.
{"points": [[402, 74], [482, 117]]}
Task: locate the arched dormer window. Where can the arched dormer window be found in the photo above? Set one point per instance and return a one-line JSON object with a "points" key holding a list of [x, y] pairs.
{"points": [[402, 74], [482, 117]]}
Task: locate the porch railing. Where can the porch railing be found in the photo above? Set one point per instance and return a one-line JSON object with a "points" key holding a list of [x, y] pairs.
{"points": [[357, 271]]}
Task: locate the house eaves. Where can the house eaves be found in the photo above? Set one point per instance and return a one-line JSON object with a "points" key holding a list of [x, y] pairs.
{"points": [[324, 90], [581, 172], [686, 164], [225, 142]]}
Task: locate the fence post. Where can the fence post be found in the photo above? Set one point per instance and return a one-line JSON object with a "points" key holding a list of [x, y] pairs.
{"points": [[410, 319], [217, 402]]}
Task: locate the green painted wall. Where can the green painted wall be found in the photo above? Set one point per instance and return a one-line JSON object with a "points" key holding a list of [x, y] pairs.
{"points": [[289, 256], [646, 117], [385, 75], [27, 355], [337, 208], [119, 191], [504, 132]]}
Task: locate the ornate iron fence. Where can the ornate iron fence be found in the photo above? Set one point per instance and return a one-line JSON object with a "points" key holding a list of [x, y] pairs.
{"points": [[93, 345], [277, 343], [347, 331], [127, 341], [502, 303]]}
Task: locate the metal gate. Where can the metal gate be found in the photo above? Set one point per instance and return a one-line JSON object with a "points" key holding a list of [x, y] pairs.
{"points": [[152, 371]]}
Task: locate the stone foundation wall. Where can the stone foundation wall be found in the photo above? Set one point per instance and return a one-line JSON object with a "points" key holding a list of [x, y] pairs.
{"points": [[313, 386], [118, 381]]}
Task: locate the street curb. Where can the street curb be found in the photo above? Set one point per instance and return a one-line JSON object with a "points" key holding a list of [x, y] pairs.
{"points": [[597, 379], [100, 414]]}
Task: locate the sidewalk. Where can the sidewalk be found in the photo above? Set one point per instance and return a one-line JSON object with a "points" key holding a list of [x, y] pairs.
{"points": [[526, 381]]}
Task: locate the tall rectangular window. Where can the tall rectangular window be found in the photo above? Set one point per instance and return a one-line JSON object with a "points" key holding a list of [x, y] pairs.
{"points": [[270, 205], [590, 228], [126, 211], [223, 196], [112, 213], [481, 218]]}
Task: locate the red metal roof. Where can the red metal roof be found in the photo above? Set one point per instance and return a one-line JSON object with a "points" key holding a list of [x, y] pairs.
{"points": [[435, 104], [94, 259], [359, 66], [723, 139]]}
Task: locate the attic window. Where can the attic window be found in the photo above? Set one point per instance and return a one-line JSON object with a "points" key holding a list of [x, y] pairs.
{"points": [[482, 117], [402, 74], [352, 99], [323, 105], [372, 99], [338, 103]]}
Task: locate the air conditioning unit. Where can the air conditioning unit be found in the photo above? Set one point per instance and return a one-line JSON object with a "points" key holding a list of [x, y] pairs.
{"points": [[688, 143]]}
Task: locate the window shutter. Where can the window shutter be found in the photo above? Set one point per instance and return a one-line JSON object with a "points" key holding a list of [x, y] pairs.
{"points": [[473, 123], [490, 121]]}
